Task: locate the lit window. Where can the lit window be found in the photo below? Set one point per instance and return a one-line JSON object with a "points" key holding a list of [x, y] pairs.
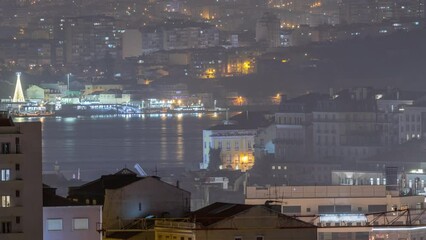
{"points": [[80, 223], [54, 224], [273, 167], [5, 174], [5, 201]]}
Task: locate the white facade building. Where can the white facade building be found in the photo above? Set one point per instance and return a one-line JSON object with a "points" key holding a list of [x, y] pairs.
{"points": [[411, 123], [308, 200], [236, 147], [21, 180]]}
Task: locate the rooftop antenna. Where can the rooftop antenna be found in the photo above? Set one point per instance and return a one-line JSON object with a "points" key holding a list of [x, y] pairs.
{"points": [[156, 171]]}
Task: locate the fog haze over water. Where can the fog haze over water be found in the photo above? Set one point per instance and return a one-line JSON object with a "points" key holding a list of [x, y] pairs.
{"points": [[103, 144]]}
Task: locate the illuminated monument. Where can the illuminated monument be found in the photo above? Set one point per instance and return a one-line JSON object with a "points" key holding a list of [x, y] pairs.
{"points": [[18, 96]]}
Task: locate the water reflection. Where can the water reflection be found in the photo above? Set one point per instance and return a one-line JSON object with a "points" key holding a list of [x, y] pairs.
{"points": [[101, 144]]}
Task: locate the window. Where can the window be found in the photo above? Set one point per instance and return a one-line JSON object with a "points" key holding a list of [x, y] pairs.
{"points": [[80, 223], [17, 167], [308, 209], [5, 174], [259, 238], [54, 224], [228, 145], [18, 145], [5, 201], [5, 148], [6, 227], [17, 193], [18, 220], [238, 238]]}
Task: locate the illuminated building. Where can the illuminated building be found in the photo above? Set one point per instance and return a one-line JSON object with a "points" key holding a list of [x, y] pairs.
{"points": [[357, 11], [175, 35], [348, 199], [89, 39], [29, 53], [235, 139], [237, 150], [412, 122], [347, 212], [208, 63], [91, 88], [20, 180], [369, 11]]}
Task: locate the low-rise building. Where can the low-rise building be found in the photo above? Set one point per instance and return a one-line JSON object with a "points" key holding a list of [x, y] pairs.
{"points": [[127, 197], [308, 200], [233, 141], [232, 221], [64, 219]]}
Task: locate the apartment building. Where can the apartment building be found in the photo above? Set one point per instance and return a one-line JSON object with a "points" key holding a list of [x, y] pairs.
{"points": [[21, 180]]}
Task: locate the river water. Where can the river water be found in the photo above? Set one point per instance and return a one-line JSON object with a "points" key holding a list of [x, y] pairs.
{"points": [[95, 145]]}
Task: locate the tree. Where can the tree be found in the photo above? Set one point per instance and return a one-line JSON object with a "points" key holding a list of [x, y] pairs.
{"points": [[215, 159]]}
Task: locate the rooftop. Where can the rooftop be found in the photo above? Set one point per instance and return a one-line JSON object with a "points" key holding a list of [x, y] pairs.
{"points": [[244, 121], [219, 211]]}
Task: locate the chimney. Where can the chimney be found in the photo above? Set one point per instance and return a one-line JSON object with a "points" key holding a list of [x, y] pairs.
{"points": [[177, 184]]}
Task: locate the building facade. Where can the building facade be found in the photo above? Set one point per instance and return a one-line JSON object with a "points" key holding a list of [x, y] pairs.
{"points": [[308, 200], [125, 198], [20, 183]]}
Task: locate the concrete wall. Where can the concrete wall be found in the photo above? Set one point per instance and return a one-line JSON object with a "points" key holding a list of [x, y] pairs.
{"points": [[149, 196], [31, 167]]}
